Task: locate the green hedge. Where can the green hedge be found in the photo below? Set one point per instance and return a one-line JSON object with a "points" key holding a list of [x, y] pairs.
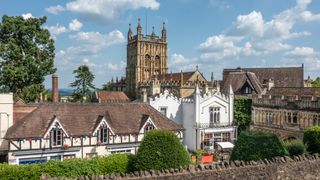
{"points": [[161, 149], [311, 138], [294, 147], [255, 145], [114, 163]]}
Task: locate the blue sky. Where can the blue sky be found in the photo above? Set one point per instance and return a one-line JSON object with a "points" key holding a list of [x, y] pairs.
{"points": [[213, 34]]}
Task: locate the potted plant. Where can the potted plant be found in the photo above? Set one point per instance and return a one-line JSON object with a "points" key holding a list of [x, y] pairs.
{"points": [[65, 146]]}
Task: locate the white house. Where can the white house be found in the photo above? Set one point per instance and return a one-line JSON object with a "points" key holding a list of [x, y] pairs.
{"points": [[207, 117], [64, 131], [6, 120]]}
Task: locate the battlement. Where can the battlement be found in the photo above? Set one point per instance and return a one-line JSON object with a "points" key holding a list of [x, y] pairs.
{"points": [[287, 102]]}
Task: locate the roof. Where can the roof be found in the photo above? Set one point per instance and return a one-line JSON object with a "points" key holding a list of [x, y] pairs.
{"points": [[112, 96], [293, 91], [177, 76], [225, 145], [282, 76], [81, 119], [238, 79]]}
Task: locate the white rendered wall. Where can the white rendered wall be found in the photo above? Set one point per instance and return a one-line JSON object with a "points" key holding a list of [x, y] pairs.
{"points": [[6, 113]]}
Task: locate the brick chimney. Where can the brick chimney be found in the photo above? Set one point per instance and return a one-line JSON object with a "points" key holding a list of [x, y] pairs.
{"points": [[55, 90]]}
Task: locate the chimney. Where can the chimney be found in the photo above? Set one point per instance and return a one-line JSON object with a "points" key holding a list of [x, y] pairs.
{"points": [[144, 95], [55, 90]]}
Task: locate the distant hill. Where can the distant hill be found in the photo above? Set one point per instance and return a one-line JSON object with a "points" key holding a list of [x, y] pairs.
{"points": [[63, 92]]}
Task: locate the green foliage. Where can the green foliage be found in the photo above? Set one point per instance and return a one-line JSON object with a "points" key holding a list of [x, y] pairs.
{"points": [[311, 138], [295, 147], [255, 145], [199, 152], [316, 83], [161, 149], [27, 56], [115, 163], [107, 87], [242, 113], [83, 84]]}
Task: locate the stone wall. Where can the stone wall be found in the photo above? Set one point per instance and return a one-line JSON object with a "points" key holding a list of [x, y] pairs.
{"points": [[298, 167]]}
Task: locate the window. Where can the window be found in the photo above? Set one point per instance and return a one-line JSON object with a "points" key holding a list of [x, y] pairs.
{"points": [[269, 117], [226, 136], [55, 158], [56, 136], [316, 120], [292, 118], [71, 156], [103, 135], [214, 115], [247, 90], [148, 127], [163, 110], [295, 118]]}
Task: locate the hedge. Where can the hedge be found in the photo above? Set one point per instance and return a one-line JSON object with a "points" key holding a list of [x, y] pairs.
{"points": [[161, 149], [255, 145], [115, 163], [311, 138], [295, 147]]}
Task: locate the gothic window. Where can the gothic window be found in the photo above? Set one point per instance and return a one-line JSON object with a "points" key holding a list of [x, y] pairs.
{"points": [[214, 115], [103, 134], [148, 127], [147, 60], [295, 118], [316, 120], [269, 117], [157, 61], [292, 118], [56, 136]]}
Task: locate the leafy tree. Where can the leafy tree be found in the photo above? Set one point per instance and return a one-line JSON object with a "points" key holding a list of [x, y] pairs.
{"points": [[83, 84], [316, 83], [107, 87], [242, 113], [255, 145], [26, 56], [161, 149], [311, 138]]}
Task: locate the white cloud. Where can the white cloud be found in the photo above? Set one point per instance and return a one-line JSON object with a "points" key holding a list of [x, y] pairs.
{"points": [[309, 16], [87, 62], [179, 59], [27, 16], [96, 38], [55, 9], [108, 10], [56, 30], [75, 25], [301, 51], [251, 24], [116, 67]]}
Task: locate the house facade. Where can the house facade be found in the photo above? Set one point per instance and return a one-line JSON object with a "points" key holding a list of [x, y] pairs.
{"points": [[66, 131], [287, 112], [207, 116]]}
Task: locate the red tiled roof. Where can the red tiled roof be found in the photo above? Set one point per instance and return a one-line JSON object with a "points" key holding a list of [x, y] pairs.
{"points": [[81, 119], [292, 91], [112, 96]]}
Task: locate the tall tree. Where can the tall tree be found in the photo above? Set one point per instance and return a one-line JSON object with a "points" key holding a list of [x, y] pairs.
{"points": [[316, 83], [107, 86], [26, 56], [83, 84]]}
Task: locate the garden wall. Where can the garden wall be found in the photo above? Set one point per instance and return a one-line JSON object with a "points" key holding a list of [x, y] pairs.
{"points": [[298, 167]]}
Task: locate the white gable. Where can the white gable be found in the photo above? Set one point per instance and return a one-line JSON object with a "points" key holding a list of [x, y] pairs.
{"points": [[149, 120], [55, 123], [103, 123]]}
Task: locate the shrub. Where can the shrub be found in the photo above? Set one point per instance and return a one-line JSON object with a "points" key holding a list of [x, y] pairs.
{"points": [[294, 147], [161, 149], [255, 145], [115, 163], [311, 138]]}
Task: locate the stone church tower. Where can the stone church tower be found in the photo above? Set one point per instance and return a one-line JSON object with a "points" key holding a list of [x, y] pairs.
{"points": [[146, 58]]}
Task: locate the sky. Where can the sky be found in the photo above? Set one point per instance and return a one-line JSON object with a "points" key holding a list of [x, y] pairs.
{"points": [[213, 34]]}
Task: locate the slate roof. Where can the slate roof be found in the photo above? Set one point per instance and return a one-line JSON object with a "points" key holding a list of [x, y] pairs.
{"points": [[176, 76], [238, 79], [292, 91], [82, 119], [282, 76], [112, 96]]}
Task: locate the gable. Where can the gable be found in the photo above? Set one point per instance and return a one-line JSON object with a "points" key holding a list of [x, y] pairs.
{"points": [[55, 124], [146, 120], [103, 123], [197, 76]]}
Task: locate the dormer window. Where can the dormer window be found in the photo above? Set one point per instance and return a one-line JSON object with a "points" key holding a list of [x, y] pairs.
{"points": [[103, 134], [56, 136], [148, 127], [247, 90]]}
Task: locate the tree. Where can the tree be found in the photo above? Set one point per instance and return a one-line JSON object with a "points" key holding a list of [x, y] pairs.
{"points": [[26, 56], [311, 138], [83, 84], [316, 83], [255, 145], [161, 149], [107, 87], [242, 113]]}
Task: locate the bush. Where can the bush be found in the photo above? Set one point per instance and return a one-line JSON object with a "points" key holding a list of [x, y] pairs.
{"points": [[255, 145], [115, 163], [294, 147], [311, 138], [161, 149]]}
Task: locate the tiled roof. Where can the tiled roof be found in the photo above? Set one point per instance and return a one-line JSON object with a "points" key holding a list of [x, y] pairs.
{"points": [[112, 96], [292, 91], [81, 119], [238, 79], [175, 76], [282, 76]]}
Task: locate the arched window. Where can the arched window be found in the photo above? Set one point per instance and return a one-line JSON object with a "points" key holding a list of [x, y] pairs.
{"points": [[157, 61], [147, 60]]}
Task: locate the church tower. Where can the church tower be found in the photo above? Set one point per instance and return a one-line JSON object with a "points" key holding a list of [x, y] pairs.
{"points": [[146, 58]]}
